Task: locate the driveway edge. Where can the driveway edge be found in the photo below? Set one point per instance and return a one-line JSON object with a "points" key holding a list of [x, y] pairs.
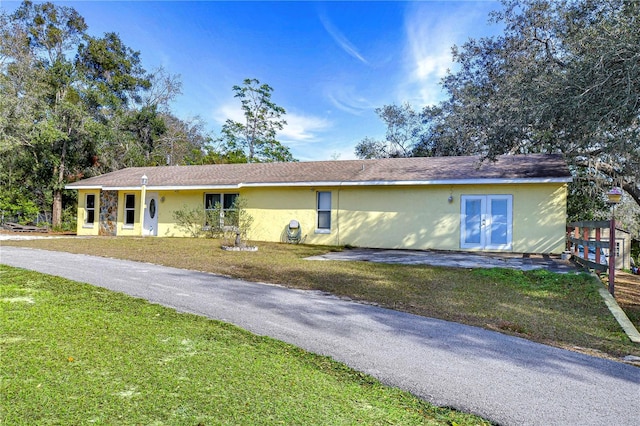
{"points": [[619, 315]]}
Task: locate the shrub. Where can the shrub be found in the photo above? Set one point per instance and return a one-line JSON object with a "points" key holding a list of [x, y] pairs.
{"points": [[237, 223], [232, 226], [190, 221]]}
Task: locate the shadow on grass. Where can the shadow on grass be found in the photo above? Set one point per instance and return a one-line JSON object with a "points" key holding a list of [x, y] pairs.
{"points": [[434, 359], [326, 316]]}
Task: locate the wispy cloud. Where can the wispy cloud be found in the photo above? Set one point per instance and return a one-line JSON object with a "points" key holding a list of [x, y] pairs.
{"points": [[341, 39], [327, 150], [302, 128], [348, 99], [427, 52], [230, 110], [429, 38]]}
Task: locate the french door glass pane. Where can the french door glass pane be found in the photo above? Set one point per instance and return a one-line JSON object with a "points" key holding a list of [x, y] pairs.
{"points": [[498, 221], [473, 220]]}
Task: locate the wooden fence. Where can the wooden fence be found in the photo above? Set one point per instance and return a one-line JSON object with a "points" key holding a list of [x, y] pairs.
{"points": [[579, 234], [587, 246]]}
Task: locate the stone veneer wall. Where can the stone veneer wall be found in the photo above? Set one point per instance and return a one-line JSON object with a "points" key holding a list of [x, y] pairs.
{"points": [[108, 212]]}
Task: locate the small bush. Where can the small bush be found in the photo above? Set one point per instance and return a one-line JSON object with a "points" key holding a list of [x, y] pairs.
{"points": [[238, 223], [190, 221], [232, 226]]}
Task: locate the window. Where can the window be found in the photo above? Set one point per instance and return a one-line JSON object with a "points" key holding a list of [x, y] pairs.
{"points": [[90, 209], [226, 202], [324, 211], [129, 209]]}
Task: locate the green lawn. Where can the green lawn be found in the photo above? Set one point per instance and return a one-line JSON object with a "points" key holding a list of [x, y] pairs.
{"points": [[74, 354], [560, 310]]}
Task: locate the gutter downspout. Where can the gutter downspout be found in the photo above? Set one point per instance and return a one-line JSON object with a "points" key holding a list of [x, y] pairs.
{"points": [[338, 217]]}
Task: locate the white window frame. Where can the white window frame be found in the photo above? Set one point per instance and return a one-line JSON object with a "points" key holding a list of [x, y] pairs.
{"points": [[323, 211], [126, 210], [222, 197], [88, 209]]}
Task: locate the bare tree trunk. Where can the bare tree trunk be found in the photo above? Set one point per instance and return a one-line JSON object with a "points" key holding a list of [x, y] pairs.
{"points": [[56, 216]]}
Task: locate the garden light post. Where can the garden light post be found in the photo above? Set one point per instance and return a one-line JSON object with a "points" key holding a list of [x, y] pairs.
{"points": [[143, 202], [613, 198]]}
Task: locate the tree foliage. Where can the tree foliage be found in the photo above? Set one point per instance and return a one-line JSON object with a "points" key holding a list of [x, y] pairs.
{"points": [[404, 131], [562, 77], [255, 139], [74, 105], [111, 71]]}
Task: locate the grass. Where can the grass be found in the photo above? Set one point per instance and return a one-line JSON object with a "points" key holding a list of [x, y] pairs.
{"points": [[71, 353], [627, 293], [560, 310]]}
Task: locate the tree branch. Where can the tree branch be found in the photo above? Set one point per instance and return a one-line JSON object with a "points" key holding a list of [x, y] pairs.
{"points": [[547, 48], [607, 169]]}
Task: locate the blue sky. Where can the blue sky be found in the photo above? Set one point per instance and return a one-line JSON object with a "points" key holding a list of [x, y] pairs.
{"points": [[330, 63]]}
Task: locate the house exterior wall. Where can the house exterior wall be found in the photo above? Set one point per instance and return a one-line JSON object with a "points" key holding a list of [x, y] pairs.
{"points": [[623, 244], [273, 208], [82, 227], [539, 218], [624, 260], [408, 217], [171, 201], [134, 229], [108, 213]]}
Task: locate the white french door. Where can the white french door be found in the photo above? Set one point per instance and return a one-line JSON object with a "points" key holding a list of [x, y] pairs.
{"points": [[486, 222]]}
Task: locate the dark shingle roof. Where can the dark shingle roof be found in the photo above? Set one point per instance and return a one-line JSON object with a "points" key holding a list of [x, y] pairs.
{"points": [[389, 170]]}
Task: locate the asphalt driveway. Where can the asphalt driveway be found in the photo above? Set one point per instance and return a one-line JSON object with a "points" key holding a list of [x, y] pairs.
{"points": [[506, 379]]}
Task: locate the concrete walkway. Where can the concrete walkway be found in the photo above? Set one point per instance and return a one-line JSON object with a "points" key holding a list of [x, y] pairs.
{"points": [[525, 262], [506, 379]]}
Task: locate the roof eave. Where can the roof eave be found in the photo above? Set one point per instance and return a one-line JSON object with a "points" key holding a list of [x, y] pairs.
{"points": [[494, 181], [499, 181], [83, 187]]}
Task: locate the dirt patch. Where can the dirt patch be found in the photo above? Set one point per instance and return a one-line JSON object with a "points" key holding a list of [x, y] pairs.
{"points": [[8, 232], [6, 235], [628, 295], [36, 234]]}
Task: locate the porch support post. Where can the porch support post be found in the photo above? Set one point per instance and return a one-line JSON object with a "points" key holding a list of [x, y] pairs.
{"points": [[598, 249], [612, 252], [143, 202], [613, 198]]}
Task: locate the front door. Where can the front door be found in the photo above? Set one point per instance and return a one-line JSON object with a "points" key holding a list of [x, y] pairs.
{"points": [[150, 224], [486, 222]]}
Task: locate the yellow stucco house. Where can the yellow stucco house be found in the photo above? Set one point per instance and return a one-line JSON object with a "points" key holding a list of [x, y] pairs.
{"points": [[517, 203]]}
